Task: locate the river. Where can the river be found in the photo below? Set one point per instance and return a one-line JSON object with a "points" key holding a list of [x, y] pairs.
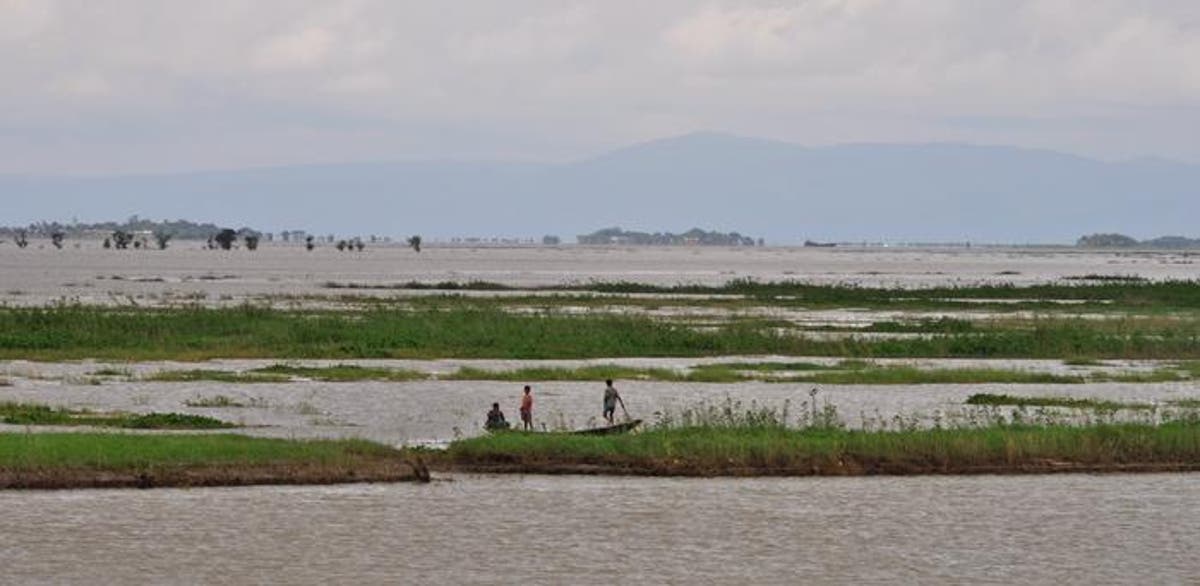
{"points": [[574, 529]]}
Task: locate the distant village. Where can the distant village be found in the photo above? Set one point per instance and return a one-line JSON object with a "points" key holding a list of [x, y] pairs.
{"points": [[136, 232]]}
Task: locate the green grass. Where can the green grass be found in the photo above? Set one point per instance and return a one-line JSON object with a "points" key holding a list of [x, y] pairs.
{"points": [[32, 414], [776, 450], [464, 330], [112, 451]]}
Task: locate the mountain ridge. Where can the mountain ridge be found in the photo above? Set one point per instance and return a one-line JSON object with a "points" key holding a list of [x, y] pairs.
{"points": [[784, 191]]}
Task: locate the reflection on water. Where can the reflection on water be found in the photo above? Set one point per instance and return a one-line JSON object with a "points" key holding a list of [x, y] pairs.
{"points": [[1069, 528]]}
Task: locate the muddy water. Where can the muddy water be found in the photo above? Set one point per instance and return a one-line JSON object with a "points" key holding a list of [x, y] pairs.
{"points": [[420, 411], [1074, 529], [184, 273]]}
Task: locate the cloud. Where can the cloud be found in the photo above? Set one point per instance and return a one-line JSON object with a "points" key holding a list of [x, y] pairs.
{"points": [[588, 75], [302, 49], [25, 19]]}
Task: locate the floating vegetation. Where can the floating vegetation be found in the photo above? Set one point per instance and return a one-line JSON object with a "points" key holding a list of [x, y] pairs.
{"points": [[33, 414], [341, 372], [112, 371], [224, 376], [1070, 402], [224, 401]]}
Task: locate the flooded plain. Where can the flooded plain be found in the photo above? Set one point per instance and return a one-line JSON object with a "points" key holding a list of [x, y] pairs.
{"points": [[436, 411], [1057, 529], [570, 529], [186, 273]]}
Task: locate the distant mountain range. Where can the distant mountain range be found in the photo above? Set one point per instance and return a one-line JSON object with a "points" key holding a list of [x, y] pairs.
{"points": [[784, 192]]}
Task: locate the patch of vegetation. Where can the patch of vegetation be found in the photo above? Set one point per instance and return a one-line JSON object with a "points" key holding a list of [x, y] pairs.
{"points": [[81, 460], [422, 286], [1105, 294], [111, 371], [466, 329], [224, 376], [907, 375], [759, 450], [223, 401], [33, 414], [1070, 402], [342, 373], [1108, 278]]}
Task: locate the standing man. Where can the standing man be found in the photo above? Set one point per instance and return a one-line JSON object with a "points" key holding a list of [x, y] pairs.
{"points": [[527, 409], [611, 398]]}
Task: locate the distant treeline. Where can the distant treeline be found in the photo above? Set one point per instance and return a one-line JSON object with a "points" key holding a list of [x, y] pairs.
{"points": [[180, 229], [1123, 241], [695, 236]]}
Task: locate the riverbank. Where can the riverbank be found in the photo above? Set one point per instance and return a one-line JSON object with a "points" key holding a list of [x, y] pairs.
{"points": [[777, 451], [103, 460]]}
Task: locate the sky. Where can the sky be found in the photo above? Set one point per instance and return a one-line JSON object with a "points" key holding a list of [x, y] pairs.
{"points": [[151, 86]]}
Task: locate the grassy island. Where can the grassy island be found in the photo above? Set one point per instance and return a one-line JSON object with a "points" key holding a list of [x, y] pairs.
{"points": [[103, 460], [777, 451], [1106, 319]]}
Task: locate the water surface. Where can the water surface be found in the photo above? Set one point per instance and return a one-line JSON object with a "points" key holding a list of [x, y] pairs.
{"points": [[1073, 529]]}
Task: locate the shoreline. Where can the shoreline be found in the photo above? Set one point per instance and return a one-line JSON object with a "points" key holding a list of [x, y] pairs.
{"points": [[121, 460], [848, 470], [205, 477]]}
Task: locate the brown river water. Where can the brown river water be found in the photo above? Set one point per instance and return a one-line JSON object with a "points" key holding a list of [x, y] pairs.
{"points": [[438, 411], [1060, 529], [185, 274]]}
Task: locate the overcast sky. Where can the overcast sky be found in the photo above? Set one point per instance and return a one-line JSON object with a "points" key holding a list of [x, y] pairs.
{"points": [[103, 86]]}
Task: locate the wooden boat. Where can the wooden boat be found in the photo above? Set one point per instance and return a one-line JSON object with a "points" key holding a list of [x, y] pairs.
{"points": [[624, 427]]}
